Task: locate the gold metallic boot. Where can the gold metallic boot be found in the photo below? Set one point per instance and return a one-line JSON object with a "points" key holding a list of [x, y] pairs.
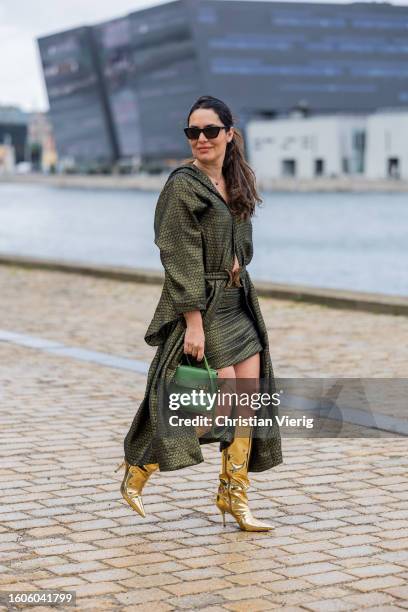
{"points": [[133, 482], [234, 483]]}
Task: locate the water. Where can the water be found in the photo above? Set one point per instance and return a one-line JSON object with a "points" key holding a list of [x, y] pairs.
{"points": [[337, 240]]}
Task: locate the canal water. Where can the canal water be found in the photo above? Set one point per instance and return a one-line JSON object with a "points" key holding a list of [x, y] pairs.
{"points": [[339, 240]]}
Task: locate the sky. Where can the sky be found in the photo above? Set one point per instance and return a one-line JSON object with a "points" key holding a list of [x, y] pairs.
{"points": [[21, 22]]}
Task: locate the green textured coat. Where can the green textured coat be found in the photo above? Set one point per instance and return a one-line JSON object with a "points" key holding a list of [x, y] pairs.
{"points": [[197, 236]]}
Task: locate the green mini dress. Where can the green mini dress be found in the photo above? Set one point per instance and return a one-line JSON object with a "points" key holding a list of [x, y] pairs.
{"points": [[232, 336]]}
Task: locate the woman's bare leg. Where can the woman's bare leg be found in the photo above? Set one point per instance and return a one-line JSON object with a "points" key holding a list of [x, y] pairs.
{"points": [[227, 374], [247, 383], [248, 368]]}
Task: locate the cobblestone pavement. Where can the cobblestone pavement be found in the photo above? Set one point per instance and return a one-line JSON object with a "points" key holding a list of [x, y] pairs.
{"points": [[339, 506]]}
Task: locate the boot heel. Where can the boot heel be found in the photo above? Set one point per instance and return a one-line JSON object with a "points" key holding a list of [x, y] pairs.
{"points": [[119, 466], [223, 519]]}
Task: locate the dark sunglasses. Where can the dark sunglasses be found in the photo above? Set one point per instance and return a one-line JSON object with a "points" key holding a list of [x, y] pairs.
{"points": [[210, 131]]}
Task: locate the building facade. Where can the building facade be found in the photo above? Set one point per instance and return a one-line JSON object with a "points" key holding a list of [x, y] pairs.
{"points": [[125, 86], [13, 132], [387, 150], [78, 110], [307, 147], [41, 142]]}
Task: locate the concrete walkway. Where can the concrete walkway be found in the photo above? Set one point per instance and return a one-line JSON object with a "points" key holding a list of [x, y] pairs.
{"points": [[339, 506]]}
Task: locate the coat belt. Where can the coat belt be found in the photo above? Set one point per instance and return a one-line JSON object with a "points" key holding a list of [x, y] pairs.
{"points": [[233, 277]]}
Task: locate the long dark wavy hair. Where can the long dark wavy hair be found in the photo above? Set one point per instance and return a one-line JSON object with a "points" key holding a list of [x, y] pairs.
{"points": [[239, 176]]}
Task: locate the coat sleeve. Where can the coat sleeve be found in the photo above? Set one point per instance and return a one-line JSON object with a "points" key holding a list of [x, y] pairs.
{"points": [[178, 236]]}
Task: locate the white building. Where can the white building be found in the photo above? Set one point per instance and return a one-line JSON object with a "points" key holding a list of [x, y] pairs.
{"points": [[387, 144], [306, 147]]}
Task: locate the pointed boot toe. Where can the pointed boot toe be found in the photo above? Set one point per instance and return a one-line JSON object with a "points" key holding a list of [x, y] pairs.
{"points": [[133, 482]]}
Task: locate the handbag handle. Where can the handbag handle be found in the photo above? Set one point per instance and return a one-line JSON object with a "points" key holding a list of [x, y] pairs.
{"points": [[205, 362], [207, 367]]}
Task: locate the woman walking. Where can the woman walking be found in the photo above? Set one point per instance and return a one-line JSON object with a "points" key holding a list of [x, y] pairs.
{"points": [[208, 306]]}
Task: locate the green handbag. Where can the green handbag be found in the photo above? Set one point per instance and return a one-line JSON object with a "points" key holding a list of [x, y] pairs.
{"points": [[187, 378]]}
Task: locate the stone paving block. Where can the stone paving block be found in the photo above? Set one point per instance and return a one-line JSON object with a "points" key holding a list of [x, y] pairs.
{"points": [[364, 600], [12, 555], [378, 583], [326, 578], [77, 517], [254, 577], [62, 549], [59, 511], [10, 578], [13, 516], [197, 551], [250, 605], [308, 569], [197, 586], [308, 559], [394, 534], [136, 560], [399, 556], [192, 602], [36, 562], [94, 535], [128, 542], [144, 596], [149, 547], [274, 542], [42, 531], [244, 592], [354, 551], [76, 568], [95, 555], [100, 603], [107, 575], [377, 569], [293, 598], [158, 568], [400, 592], [251, 565], [356, 540], [67, 583], [391, 608], [330, 605], [305, 547], [329, 524], [28, 524], [394, 544], [209, 541], [169, 535], [284, 586], [98, 588], [199, 574], [217, 559], [159, 606], [150, 581]]}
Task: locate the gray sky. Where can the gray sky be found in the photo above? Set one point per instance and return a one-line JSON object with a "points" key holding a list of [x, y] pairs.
{"points": [[21, 22]]}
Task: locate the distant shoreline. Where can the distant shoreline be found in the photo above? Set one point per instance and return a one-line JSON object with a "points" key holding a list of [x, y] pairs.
{"points": [[149, 182], [333, 298]]}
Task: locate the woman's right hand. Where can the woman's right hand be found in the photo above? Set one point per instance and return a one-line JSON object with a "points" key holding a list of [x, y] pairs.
{"points": [[194, 338]]}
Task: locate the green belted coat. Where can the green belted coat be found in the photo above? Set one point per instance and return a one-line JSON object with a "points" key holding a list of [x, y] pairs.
{"points": [[197, 236]]}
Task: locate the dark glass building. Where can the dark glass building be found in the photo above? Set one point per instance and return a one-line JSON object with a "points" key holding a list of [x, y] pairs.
{"points": [[141, 73], [78, 109]]}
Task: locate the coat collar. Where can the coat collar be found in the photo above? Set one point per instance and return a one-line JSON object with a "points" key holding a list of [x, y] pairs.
{"points": [[199, 175]]}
